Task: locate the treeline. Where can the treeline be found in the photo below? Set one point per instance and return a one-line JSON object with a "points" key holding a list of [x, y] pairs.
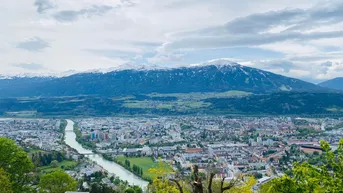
{"points": [[137, 170], [155, 98], [83, 140], [281, 103], [63, 125], [45, 158]]}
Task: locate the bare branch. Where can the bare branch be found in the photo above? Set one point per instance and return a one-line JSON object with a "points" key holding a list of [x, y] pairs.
{"points": [[231, 185], [222, 184], [178, 185], [197, 184], [210, 182]]}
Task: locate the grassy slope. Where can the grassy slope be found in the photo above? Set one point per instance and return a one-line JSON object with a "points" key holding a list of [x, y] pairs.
{"points": [[144, 162]]}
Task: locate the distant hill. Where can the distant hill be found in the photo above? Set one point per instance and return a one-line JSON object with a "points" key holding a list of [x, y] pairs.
{"points": [[215, 76], [281, 103], [336, 83]]}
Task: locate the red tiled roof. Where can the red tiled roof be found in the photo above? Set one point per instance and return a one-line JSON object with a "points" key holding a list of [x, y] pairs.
{"points": [[193, 150]]}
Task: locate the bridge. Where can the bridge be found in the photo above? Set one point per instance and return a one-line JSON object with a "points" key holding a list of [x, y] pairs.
{"points": [[90, 153]]}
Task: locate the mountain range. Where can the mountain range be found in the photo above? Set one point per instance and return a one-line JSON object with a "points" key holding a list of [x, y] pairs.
{"points": [[336, 83], [214, 76]]}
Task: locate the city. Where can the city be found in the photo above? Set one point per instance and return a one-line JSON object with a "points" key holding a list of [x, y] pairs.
{"points": [[263, 147], [171, 96]]}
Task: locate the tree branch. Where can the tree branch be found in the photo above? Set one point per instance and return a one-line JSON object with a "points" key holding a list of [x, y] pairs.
{"points": [[178, 184], [197, 184], [231, 185], [210, 182]]}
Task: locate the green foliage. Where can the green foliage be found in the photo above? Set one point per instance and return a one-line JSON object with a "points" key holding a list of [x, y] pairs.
{"points": [[307, 178], [130, 190], [54, 164], [101, 188], [14, 161], [161, 183], [281, 103], [138, 165], [197, 182], [137, 189], [258, 175], [5, 183], [83, 140], [57, 182], [338, 126], [269, 152], [63, 125], [45, 158], [305, 132], [65, 165]]}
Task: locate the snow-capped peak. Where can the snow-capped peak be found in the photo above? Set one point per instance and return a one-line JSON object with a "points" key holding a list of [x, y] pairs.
{"points": [[41, 75], [219, 63], [127, 66]]}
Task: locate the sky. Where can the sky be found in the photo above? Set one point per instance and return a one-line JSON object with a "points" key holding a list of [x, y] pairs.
{"points": [[296, 38]]}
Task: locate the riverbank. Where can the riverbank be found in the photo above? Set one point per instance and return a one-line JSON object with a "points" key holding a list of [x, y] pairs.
{"points": [[83, 141], [137, 165], [109, 166]]}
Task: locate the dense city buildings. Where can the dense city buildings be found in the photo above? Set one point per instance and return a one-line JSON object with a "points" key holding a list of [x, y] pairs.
{"points": [[251, 145], [262, 146]]}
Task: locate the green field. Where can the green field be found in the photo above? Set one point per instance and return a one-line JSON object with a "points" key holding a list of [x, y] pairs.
{"points": [[66, 164], [143, 162], [184, 102], [201, 96], [170, 105]]}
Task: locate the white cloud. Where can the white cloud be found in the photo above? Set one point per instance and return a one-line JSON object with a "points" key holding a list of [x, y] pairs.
{"points": [[90, 34], [291, 48]]}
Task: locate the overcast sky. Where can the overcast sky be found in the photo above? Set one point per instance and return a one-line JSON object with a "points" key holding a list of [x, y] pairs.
{"points": [[297, 38]]}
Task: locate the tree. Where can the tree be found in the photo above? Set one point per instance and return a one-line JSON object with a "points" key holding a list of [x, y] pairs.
{"points": [[130, 190], [197, 183], [5, 183], [15, 162], [57, 182], [161, 183], [271, 159], [137, 189], [54, 163], [245, 185], [308, 178], [258, 175]]}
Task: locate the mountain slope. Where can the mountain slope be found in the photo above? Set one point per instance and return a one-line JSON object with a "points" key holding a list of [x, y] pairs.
{"points": [[281, 103], [336, 83], [211, 77]]}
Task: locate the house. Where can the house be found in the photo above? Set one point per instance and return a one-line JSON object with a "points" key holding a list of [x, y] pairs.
{"points": [[193, 150]]}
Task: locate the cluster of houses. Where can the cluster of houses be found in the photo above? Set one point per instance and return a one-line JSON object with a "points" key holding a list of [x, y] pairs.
{"points": [[248, 144], [40, 133]]}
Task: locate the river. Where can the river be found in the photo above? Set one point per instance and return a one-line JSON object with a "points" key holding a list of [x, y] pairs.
{"points": [[111, 167]]}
